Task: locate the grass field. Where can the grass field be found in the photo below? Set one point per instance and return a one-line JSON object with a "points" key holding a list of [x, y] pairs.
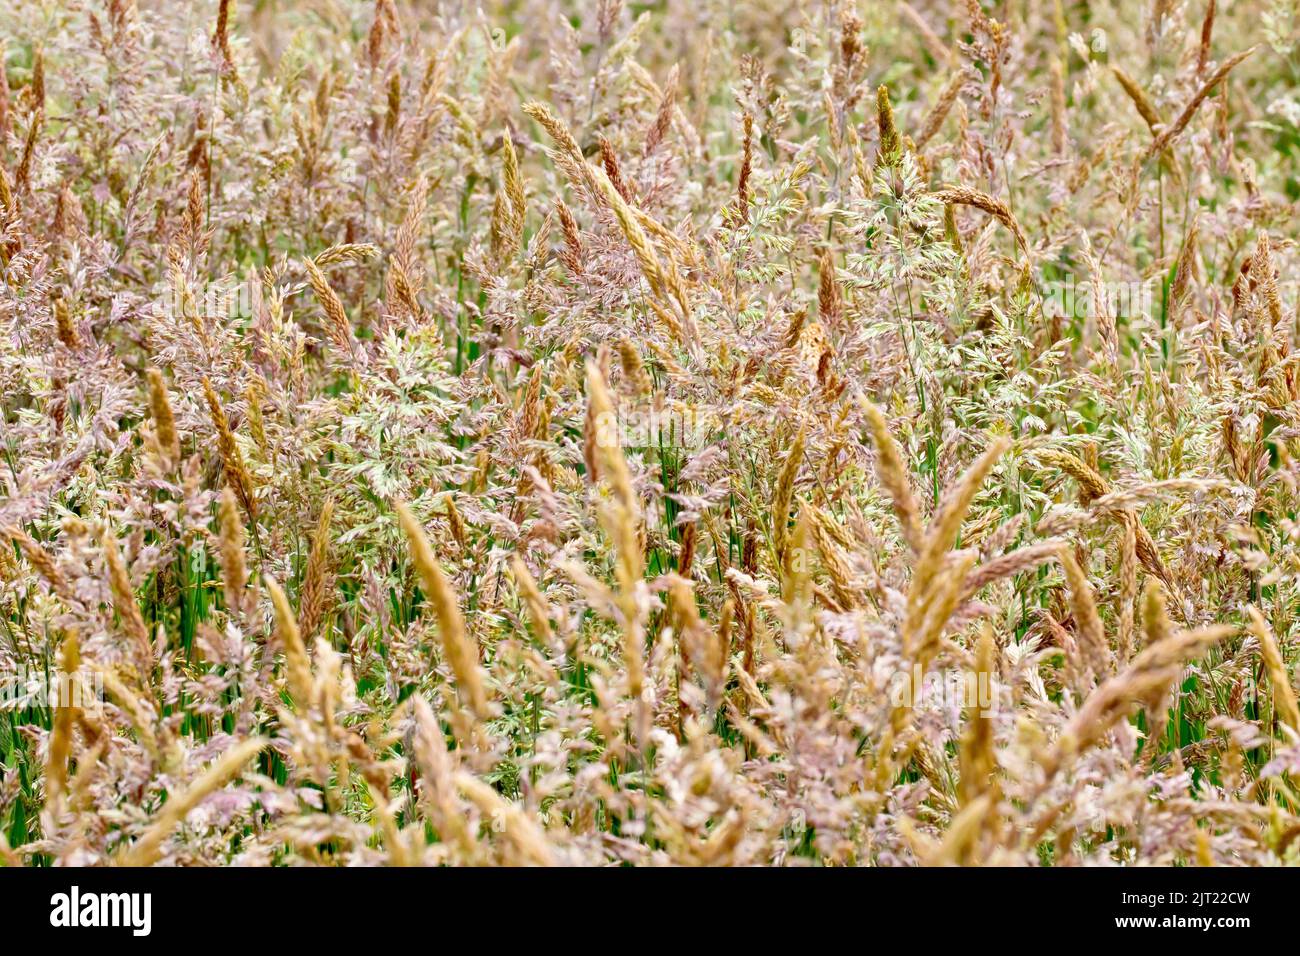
{"points": [[692, 432]]}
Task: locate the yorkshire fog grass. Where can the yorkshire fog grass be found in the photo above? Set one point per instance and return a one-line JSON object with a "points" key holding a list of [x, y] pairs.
{"points": [[600, 433]]}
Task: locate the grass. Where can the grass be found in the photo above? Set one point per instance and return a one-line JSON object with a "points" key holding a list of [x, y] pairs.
{"points": [[782, 434]]}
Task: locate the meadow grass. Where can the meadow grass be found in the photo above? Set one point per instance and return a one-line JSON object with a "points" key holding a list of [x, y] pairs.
{"points": [[700, 433]]}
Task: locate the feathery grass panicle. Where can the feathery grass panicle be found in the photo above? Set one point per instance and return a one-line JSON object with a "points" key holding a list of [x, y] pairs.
{"points": [[234, 565], [1146, 109], [571, 254], [148, 849], [1128, 591], [1060, 124], [660, 274], [943, 105], [1263, 272], [746, 167], [124, 603], [455, 522], [535, 603], [528, 842], [8, 202], [938, 576], [36, 101], [297, 663], [604, 418], [978, 760], [221, 35], [232, 460], [1092, 634], [1207, 33], [1093, 489], [621, 524], [67, 332], [1284, 697], [23, 176], [1184, 272], [164, 422], [509, 209], [634, 368], [336, 318], [438, 790], [6, 104], [1150, 672], [784, 495], [966, 196], [890, 144], [457, 645], [66, 712], [956, 501], [554, 127], [142, 714], [664, 114], [314, 601], [569, 154], [1155, 618], [893, 476], [613, 168], [346, 252], [830, 301], [1015, 562], [42, 562], [1175, 129]]}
